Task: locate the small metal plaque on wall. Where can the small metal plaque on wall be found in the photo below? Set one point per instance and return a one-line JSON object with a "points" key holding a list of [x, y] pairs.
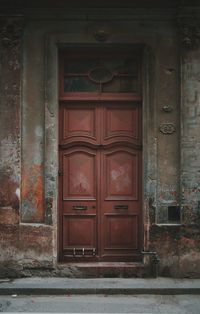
{"points": [[167, 128]]}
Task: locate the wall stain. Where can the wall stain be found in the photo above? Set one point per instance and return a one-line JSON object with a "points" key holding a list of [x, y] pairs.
{"points": [[33, 195], [8, 195]]}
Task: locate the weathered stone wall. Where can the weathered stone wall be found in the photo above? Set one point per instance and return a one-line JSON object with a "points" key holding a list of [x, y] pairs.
{"points": [[10, 114], [29, 124], [190, 147], [190, 140], [10, 131], [19, 243], [179, 246]]}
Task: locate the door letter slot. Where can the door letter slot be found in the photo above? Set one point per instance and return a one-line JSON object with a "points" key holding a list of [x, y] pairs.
{"points": [[121, 207], [79, 207]]}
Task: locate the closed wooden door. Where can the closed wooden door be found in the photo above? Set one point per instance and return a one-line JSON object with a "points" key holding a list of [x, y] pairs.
{"points": [[100, 173]]}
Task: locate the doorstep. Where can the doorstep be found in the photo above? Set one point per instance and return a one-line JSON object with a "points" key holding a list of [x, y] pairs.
{"points": [[105, 269]]}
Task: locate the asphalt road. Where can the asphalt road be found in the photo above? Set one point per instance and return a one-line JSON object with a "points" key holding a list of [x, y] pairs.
{"points": [[183, 304]]}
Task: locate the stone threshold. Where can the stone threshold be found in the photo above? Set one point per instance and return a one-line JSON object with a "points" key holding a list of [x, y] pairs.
{"points": [[105, 269]]}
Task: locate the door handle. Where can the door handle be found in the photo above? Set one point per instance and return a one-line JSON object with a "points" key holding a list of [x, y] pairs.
{"points": [[120, 206], [79, 207], [99, 145]]}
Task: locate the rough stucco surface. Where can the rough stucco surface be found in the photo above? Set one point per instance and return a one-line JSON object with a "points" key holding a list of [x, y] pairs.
{"points": [[19, 244], [32, 209], [168, 165], [179, 246], [190, 142], [168, 148], [10, 127]]}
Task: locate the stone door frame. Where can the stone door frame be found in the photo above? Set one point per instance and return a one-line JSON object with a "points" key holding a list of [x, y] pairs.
{"points": [[54, 42]]}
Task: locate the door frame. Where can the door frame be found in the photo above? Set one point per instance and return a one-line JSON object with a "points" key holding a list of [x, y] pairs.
{"points": [[110, 98], [54, 42]]}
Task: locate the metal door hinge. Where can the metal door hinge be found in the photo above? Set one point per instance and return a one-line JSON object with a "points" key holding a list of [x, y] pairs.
{"points": [[60, 173]]}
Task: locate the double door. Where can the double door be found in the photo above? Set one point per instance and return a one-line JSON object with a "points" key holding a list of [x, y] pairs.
{"points": [[100, 181]]}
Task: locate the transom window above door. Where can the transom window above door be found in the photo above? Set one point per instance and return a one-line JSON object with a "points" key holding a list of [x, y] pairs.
{"points": [[100, 74]]}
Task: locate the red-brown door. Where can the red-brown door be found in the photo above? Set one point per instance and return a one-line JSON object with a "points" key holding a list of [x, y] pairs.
{"points": [[120, 181], [100, 178]]}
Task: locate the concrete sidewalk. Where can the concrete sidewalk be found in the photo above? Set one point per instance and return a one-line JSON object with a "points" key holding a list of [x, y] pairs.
{"points": [[109, 286]]}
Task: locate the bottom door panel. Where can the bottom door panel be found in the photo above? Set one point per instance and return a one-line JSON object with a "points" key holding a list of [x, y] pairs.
{"points": [[79, 231], [121, 232], [79, 236]]}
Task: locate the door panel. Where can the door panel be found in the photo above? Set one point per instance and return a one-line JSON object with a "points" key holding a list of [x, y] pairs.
{"points": [[121, 122], [121, 231], [79, 122], [79, 175], [120, 173], [79, 230]]}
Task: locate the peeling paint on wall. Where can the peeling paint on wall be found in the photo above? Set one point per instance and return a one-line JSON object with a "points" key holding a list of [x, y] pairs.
{"points": [[33, 195]]}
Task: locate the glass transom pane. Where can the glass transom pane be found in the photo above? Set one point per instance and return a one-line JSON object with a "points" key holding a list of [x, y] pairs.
{"points": [[117, 75]]}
